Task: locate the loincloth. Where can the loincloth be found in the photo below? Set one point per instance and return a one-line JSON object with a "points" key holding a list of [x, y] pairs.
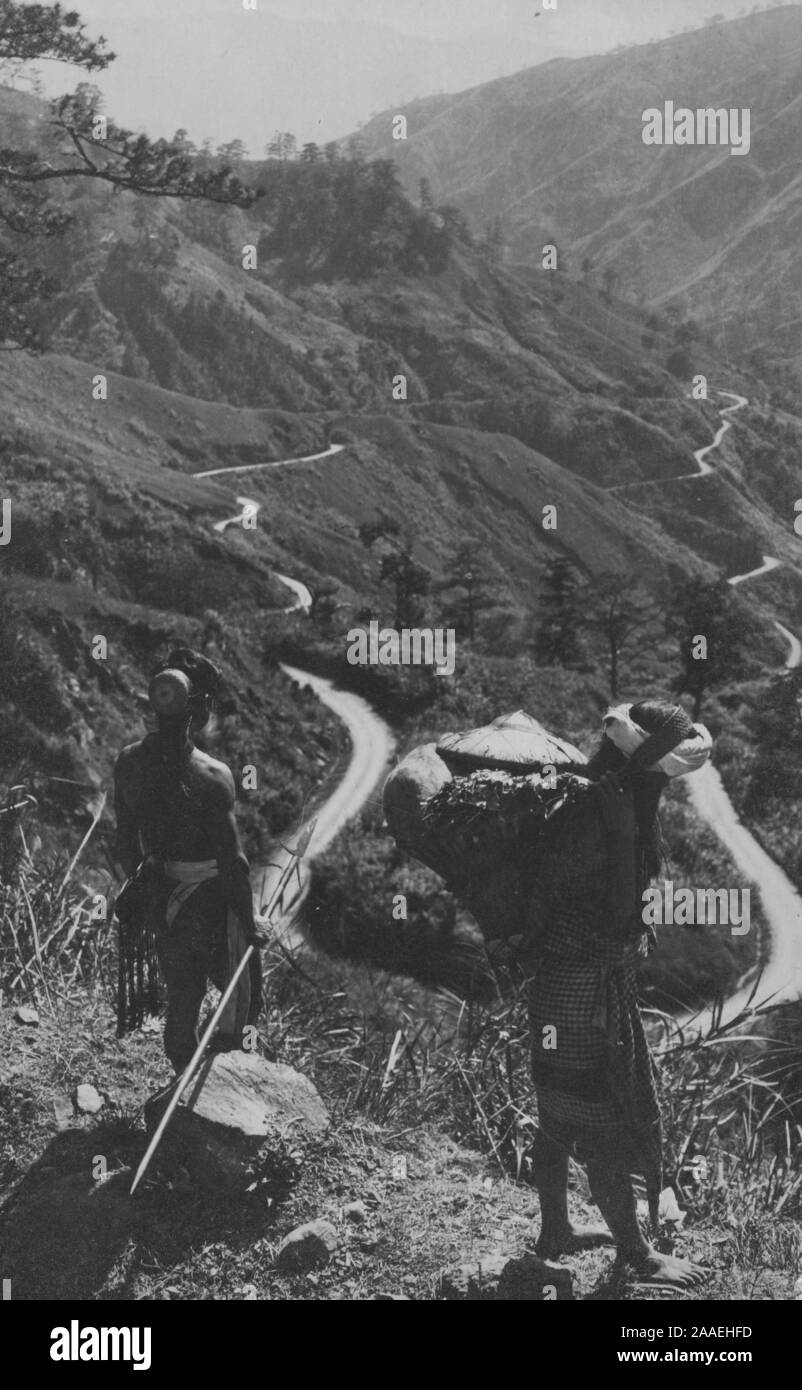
{"points": [[187, 892]]}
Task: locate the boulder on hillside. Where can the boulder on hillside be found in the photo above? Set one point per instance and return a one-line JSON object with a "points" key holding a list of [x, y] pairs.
{"points": [[237, 1113], [497, 1278]]}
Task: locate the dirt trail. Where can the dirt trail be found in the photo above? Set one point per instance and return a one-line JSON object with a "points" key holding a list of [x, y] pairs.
{"points": [[781, 977], [372, 747], [371, 739], [274, 463], [701, 454]]}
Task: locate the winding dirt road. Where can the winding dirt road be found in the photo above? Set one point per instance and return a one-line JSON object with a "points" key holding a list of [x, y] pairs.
{"points": [[275, 463], [781, 977], [372, 744], [372, 741], [250, 511], [769, 564], [701, 454]]}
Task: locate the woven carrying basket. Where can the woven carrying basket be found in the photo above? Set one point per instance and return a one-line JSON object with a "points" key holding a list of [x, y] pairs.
{"points": [[487, 832]]}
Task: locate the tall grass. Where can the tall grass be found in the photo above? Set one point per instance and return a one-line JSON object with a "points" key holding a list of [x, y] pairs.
{"points": [[52, 938], [730, 1097]]}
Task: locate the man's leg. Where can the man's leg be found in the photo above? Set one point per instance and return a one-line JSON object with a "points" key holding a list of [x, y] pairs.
{"points": [[614, 1195], [183, 964], [226, 953], [558, 1233]]}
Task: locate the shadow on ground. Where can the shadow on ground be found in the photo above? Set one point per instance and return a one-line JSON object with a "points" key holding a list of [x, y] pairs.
{"points": [[66, 1234]]}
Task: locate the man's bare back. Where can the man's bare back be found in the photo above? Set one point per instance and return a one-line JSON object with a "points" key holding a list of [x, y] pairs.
{"points": [[193, 823]]}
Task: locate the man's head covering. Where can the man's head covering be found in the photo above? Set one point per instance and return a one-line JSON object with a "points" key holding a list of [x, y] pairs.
{"points": [[184, 685], [688, 752]]}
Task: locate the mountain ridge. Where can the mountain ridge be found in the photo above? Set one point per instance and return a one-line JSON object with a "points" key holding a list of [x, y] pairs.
{"points": [[671, 223]]}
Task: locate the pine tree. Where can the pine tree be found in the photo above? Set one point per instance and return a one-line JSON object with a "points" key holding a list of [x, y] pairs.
{"points": [[711, 611], [466, 575], [616, 610], [557, 634], [76, 146], [397, 566], [232, 153]]}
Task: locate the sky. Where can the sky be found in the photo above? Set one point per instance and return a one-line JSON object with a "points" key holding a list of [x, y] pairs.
{"points": [[320, 68]]}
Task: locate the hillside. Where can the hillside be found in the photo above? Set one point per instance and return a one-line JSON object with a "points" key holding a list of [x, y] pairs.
{"points": [[524, 391], [154, 295], [556, 153]]}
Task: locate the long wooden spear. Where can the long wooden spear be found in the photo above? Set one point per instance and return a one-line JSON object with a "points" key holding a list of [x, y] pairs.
{"points": [[186, 1076]]}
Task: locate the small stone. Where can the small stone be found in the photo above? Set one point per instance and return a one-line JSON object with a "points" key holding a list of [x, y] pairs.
{"points": [[476, 1282], [531, 1279], [798, 1290], [356, 1212], [307, 1246], [248, 1293], [498, 1278], [63, 1110], [26, 1013], [88, 1100]]}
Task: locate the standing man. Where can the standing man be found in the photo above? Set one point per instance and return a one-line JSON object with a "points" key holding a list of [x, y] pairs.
{"points": [[188, 891], [591, 1064]]}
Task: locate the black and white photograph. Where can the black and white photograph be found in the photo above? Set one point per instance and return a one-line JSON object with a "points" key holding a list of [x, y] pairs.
{"points": [[401, 664]]}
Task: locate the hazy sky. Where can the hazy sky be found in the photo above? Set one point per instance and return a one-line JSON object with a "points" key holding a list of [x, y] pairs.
{"points": [[319, 67]]}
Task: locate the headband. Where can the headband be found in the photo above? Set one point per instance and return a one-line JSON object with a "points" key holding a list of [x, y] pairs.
{"points": [[688, 754]]}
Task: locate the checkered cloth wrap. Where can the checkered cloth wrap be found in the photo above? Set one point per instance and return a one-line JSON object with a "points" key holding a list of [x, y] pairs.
{"points": [[599, 1079]]}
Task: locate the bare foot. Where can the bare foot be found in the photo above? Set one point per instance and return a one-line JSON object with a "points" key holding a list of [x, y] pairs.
{"points": [[654, 1268], [573, 1237]]}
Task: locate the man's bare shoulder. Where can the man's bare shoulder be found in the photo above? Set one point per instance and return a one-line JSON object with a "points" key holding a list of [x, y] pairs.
{"points": [[216, 776]]}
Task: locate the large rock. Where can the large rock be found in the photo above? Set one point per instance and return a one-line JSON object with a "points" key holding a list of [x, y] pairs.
{"points": [[238, 1112], [497, 1278]]}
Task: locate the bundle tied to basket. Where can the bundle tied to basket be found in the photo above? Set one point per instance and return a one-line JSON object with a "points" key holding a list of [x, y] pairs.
{"points": [[487, 810]]}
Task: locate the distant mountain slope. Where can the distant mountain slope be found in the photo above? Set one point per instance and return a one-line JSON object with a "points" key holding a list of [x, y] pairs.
{"points": [[557, 154]]}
